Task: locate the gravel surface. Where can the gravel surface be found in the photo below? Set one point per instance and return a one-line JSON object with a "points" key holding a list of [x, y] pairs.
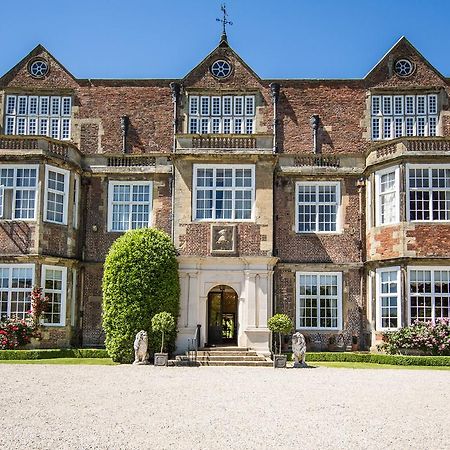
{"points": [[129, 407]]}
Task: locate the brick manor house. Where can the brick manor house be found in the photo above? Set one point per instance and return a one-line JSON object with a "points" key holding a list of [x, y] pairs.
{"points": [[328, 200]]}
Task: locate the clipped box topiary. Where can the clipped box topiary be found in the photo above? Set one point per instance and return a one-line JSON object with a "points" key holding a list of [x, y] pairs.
{"points": [[140, 280]]}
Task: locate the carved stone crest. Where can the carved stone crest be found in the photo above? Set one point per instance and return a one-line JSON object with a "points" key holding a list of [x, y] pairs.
{"points": [[223, 239]]}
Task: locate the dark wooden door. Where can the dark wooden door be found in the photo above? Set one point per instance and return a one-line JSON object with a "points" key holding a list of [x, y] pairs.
{"points": [[222, 317]]}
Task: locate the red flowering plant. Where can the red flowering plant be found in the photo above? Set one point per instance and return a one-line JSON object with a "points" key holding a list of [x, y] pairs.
{"points": [[15, 331]]}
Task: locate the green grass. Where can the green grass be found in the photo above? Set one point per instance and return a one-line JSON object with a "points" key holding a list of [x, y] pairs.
{"points": [[360, 365], [63, 361]]}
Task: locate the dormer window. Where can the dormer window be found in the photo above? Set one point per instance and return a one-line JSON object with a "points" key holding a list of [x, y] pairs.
{"points": [[38, 115], [394, 116], [227, 114]]}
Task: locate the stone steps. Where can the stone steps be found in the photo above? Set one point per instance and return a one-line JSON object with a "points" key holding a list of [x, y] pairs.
{"points": [[225, 356]]}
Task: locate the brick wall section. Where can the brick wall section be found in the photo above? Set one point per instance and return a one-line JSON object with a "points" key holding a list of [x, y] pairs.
{"points": [[17, 238], [429, 240], [92, 332], [336, 248], [340, 105], [384, 242], [54, 241]]}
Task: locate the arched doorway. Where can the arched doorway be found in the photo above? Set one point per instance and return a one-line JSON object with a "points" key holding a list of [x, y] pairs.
{"points": [[222, 316]]}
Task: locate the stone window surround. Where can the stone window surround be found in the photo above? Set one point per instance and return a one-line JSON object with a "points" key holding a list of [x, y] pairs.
{"points": [[340, 288], [233, 188]]}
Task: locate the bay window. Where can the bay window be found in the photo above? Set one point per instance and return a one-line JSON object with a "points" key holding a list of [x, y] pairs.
{"points": [[388, 298], [429, 192], [18, 192], [387, 205], [56, 195], [429, 293], [16, 282]]}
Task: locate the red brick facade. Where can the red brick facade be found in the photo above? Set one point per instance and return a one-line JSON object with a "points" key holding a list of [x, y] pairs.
{"points": [[345, 154]]}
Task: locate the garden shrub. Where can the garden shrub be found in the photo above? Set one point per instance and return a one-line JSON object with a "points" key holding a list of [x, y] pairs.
{"points": [[53, 353], [140, 280], [15, 332], [426, 337]]}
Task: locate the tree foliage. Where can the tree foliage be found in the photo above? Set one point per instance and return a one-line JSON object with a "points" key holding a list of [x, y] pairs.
{"points": [[140, 280]]}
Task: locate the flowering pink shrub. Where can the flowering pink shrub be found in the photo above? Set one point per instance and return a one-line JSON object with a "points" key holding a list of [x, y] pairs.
{"points": [[15, 332], [429, 338]]}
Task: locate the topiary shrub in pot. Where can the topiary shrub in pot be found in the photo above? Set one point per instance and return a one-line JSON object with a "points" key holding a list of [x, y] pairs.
{"points": [[280, 324], [140, 280], [163, 323]]}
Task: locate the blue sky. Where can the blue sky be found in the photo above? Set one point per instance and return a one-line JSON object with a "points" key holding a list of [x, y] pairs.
{"points": [[278, 39]]}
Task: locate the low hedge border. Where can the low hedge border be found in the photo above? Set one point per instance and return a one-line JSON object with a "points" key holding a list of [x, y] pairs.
{"points": [[376, 358], [54, 353]]}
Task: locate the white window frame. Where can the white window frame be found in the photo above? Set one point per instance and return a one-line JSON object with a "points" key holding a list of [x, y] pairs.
{"points": [[233, 188], [388, 116], [63, 312], [432, 269], [14, 188], [66, 173], [339, 300], [10, 267], [111, 185], [196, 123], [379, 297], [337, 184], [429, 167], [57, 122], [378, 193]]}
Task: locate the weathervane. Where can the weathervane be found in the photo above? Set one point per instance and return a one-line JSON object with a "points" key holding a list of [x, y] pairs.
{"points": [[224, 21]]}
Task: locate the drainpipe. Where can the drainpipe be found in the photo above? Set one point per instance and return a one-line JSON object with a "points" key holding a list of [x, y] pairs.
{"points": [[275, 91], [124, 125], [175, 89]]}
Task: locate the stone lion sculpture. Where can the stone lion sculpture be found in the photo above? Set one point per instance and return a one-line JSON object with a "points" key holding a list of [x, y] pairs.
{"points": [[140, 348], [299, 349]]}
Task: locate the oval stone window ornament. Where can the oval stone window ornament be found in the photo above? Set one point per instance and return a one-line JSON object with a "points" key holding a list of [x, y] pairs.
{"points": [[221, 68], [38, 68], [404, 67]]}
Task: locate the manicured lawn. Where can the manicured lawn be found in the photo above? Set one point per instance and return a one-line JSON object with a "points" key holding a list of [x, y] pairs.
{"points": [[360, 365], [67, 361]]}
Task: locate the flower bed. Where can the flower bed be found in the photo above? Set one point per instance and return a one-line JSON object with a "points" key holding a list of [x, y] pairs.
{"points": [[421, 337]]}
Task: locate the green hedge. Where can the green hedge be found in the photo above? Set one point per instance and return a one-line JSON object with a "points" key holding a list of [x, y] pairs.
{"points": [[376, 358], [54, 353], [140, 279]]}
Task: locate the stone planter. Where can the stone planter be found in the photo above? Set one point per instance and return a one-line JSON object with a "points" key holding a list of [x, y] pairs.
{"points": [[161, 359], [279, 361]]}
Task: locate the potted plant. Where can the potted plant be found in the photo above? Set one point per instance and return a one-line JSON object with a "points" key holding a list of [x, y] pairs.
{"points": [[164, 323], [281, 324]]}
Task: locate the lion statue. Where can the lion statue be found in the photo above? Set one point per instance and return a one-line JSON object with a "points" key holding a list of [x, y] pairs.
{"points": [[299, 349], [140, 348]]}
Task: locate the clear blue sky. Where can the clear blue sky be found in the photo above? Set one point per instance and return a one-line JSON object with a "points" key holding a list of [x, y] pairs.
{"points": [[278, 39]]}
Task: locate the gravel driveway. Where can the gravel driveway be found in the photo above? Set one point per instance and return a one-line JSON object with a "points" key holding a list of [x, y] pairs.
{"points": [[121, 407]]}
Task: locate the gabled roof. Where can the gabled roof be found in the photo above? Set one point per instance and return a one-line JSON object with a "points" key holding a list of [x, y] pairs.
{"points": [[223, 44], [39, 49], [403, 41]]}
